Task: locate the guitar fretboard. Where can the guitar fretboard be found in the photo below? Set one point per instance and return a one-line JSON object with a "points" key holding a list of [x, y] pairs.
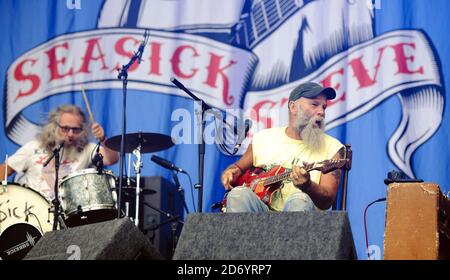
{"points": [[329, 164], [277, 178]]}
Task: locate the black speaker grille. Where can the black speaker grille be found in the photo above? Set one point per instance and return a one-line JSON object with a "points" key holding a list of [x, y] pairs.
{"points": [[112, 240], [266, 236]]}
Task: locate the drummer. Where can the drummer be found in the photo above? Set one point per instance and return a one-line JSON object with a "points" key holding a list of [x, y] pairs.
{"points": [[67, 124]]}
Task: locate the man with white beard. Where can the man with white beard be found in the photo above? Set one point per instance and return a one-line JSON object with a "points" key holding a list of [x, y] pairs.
{"points": [[302, 141], [66, 125]]}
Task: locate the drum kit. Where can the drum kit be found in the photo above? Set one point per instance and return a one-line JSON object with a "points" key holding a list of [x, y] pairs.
{"points": [[89, 195], [86, 196]]}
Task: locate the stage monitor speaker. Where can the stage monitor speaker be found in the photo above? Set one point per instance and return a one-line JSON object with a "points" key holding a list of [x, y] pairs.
{"points": [[158, 193], [118, 239], [313, 235]]}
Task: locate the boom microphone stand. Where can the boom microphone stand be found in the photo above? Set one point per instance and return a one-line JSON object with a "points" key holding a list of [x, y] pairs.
{"points": [[201, 146], [204, 108], [123, 76]]}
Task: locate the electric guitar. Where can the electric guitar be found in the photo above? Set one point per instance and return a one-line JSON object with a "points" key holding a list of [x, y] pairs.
{"points": [[264, 183]]}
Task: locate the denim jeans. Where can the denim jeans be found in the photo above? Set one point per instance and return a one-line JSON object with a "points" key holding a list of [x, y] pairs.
{"points": [[243, 199]]}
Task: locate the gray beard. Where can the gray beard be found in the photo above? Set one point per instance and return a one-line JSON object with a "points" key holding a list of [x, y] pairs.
{"points": [[76, 146], [313, 137]]}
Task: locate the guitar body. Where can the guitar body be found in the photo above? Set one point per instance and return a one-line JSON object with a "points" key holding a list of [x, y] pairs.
{"points": [[255, 179], [264, 183]]}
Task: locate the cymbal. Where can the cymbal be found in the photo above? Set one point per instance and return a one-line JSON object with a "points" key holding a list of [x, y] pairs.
{"points": [[150, 142]]}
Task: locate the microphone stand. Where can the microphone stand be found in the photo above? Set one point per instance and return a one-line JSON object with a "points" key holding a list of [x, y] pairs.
{"points": [[123, 76], [170, 218], [55, 201], [201, 146], [180, 190]]}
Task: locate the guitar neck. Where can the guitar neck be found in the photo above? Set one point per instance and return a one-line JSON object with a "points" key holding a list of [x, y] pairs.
{"points": [[277, 178], [285, 175]]}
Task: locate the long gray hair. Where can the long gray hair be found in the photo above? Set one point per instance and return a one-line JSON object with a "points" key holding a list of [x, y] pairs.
{"points": [[48, 135]]}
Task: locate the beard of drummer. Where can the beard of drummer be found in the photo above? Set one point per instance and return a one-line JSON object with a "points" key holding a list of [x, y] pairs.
{"points": [[66, 125]]}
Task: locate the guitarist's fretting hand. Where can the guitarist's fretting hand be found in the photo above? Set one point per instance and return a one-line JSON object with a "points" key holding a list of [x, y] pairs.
{"points": [[300, 178], [230, 175]]}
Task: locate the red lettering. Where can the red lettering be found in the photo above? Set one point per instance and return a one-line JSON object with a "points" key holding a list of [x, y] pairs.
{"points": [[402, 59], [175, 60], [361, 73], [255, 114], [283, 101], [155, 59], [53, 62], [20, 76], [327, 82], [214, 71], [119, 48], [41, 160], [89, 55]]}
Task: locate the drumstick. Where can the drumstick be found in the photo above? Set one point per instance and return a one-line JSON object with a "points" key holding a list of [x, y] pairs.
{"points": [[88, 106], [5, 182]]}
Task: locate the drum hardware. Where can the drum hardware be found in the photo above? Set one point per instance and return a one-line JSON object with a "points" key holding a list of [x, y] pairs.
{"points": [[137, 143], [137, 169], [150, 142], [5, 182]]}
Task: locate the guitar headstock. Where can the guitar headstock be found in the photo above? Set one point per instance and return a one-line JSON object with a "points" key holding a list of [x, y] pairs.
{"points": [[326, 166]]}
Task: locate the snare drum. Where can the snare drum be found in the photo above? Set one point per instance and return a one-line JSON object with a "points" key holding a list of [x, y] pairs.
{"points": [[88, 197], [24, 218]]}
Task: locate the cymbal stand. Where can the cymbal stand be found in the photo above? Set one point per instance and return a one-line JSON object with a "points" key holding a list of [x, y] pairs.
{"points": [[137, 168]]}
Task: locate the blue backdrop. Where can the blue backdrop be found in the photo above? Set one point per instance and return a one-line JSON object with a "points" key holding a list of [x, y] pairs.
{"points": [[394, 118]]}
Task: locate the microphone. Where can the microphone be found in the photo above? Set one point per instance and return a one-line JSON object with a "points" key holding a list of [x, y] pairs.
{"points": [[55, 151], [142, 47], [242, 136], [167, 164], [140, 51], [97, 161]]}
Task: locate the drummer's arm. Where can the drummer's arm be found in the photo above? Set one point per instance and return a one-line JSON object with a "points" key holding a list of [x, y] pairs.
{"points": [[109, 156], [2, 171]]}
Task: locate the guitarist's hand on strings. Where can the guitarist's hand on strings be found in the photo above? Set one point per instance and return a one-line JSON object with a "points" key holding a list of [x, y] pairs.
{"points": [[230, 175], [300, 178]]}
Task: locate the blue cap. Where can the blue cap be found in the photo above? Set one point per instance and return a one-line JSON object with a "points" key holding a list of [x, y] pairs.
{"points": [[311, 90]]}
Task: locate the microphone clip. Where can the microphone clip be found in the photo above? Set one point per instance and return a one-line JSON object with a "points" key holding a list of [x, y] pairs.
{"points": [[142, 46], [55, 153], [97, 161]]}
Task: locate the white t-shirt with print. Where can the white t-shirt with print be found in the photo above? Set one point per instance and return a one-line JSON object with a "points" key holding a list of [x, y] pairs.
{"points": [[30, 159]]}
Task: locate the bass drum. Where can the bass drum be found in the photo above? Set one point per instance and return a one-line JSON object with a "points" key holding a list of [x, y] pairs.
{"points": [[24, 218]]}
